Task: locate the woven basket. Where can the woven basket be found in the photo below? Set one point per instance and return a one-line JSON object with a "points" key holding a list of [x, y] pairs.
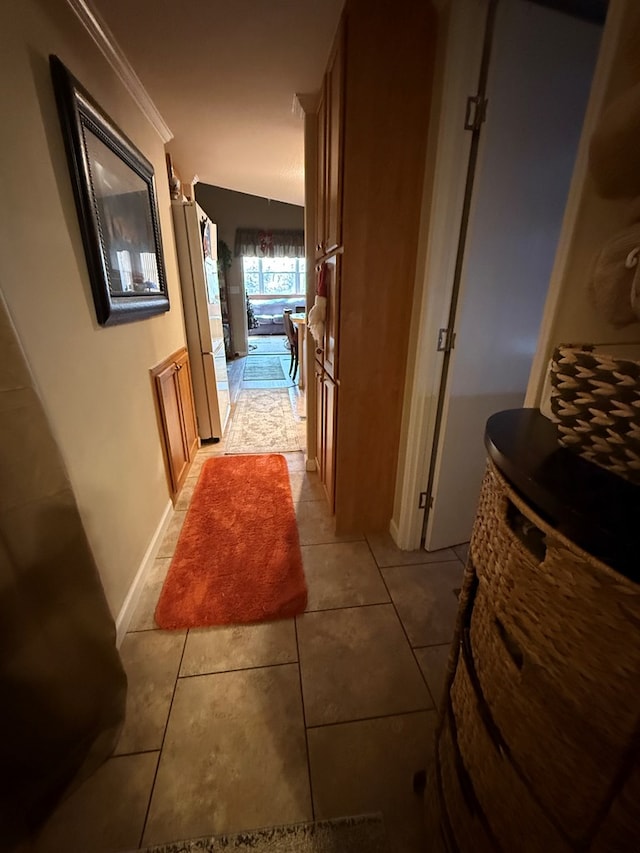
{"points": [[595, 401], [554, 642], [517, 820], [462, 816]]}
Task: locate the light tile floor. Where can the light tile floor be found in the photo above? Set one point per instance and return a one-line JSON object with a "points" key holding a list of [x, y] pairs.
{"points": [[326, 715]]}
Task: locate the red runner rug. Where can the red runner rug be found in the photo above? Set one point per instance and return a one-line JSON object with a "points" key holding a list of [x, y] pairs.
{"points": [[238, 556]]}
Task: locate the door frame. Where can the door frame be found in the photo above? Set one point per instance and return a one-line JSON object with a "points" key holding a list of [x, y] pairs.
{"points": [[445, 183]]}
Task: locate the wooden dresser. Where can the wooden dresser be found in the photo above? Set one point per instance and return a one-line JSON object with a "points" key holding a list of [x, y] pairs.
{"points": [[538, 737]]}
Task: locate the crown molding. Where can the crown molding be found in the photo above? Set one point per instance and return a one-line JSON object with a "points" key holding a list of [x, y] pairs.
{"points": [[115, 56]]}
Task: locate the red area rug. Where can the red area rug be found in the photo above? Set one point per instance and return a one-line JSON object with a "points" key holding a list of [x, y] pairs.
{"points": [[238, 556]]}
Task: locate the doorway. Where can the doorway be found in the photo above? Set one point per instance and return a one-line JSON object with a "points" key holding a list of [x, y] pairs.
{"points": [[532, 79]]}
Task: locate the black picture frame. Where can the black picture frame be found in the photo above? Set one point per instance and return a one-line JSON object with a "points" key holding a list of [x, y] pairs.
{"points": [[114, 189]]}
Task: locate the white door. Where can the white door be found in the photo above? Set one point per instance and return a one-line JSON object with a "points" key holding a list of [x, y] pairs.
{"points": [[540, 73]]}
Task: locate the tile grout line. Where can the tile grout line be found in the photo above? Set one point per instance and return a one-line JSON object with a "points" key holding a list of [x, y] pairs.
{"points": [[238, 669], [368, 719], [404, 631], [304, 722], [164, 735]]}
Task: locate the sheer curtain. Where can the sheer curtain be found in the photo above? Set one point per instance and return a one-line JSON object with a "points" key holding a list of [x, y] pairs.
{"points": [[61, 681]]}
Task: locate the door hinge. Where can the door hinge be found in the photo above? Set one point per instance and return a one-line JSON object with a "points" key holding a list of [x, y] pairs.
{"points": [[422, 501], [475, 113], [446, 340]]}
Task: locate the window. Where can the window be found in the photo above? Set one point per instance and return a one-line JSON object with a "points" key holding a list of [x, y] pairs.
{"points": [[274, 276]]}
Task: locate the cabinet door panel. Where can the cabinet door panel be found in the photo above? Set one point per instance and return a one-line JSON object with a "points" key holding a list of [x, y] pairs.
{"points": [[330, 412], [321, 186], [176, 416], [335, 78], [169, 398], [331, 326], [189, 425], [319, 372]]}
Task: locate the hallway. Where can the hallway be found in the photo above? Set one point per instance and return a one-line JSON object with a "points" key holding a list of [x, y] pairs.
{"points": [[325, 715], [268, 413]]}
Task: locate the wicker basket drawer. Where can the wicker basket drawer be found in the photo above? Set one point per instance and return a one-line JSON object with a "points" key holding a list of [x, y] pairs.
{"points": [[565, 753], [576, 619], [433, 814], [516, 818], [620, 830], [462, 810]]}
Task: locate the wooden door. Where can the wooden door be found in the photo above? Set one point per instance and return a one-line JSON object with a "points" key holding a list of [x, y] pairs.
{"points": [[519, 199], [334, 113]]}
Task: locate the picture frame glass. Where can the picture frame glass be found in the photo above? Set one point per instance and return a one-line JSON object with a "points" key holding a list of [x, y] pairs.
{"points": [[124, 216]]}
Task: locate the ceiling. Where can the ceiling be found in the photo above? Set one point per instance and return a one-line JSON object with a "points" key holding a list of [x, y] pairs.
{"points": [[224, 75]]}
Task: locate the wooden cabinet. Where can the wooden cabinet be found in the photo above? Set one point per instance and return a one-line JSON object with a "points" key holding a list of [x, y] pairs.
{"points": [[327, 249], [372, 126], [176, 416]]}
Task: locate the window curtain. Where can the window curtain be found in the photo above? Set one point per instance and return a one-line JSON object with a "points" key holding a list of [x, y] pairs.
{"points": [[257, 243]]}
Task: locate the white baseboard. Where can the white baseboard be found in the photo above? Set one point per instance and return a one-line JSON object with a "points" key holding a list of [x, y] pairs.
{"points": [[135, 590]]}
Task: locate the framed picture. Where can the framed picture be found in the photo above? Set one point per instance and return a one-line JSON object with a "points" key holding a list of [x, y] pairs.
{"points": [[114, 189]]}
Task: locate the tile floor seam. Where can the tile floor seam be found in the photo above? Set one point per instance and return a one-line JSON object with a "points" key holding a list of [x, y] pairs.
{"points": [[413, 565], [304, 723], [136, 752], [376, 717], [238, 669], [164, 735], [349, 607], [404, 631]]}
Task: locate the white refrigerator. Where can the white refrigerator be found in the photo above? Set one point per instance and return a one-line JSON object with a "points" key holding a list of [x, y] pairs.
{"points": [[197, 246]]}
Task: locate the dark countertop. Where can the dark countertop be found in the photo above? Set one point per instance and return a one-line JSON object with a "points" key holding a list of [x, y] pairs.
{"points": [[594, 508]]}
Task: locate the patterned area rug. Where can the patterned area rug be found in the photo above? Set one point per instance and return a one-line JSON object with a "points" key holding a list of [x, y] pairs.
{"points": [[263, 422], [268, 344], [266, 367], [364, 834]]}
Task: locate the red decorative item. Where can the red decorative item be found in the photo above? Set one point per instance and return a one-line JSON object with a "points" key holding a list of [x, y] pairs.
{"points": [[266, 242], [321, 281]]}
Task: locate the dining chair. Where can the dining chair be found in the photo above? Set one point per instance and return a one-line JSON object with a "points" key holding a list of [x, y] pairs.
{"points": [[292, 336]]}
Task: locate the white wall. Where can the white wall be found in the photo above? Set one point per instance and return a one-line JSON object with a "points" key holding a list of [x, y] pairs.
{"points": [[590, 220], [94, 381]]}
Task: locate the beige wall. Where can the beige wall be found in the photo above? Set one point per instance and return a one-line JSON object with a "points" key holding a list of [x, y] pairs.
{"points": [[231, 210], [94, 381]]}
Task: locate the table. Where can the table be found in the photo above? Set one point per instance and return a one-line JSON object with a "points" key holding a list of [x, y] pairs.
{"points": [[300, 322]]}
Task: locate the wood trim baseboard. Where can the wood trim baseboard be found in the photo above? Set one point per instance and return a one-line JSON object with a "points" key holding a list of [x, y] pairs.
{"points": [[106, 42], [127, 610]]}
